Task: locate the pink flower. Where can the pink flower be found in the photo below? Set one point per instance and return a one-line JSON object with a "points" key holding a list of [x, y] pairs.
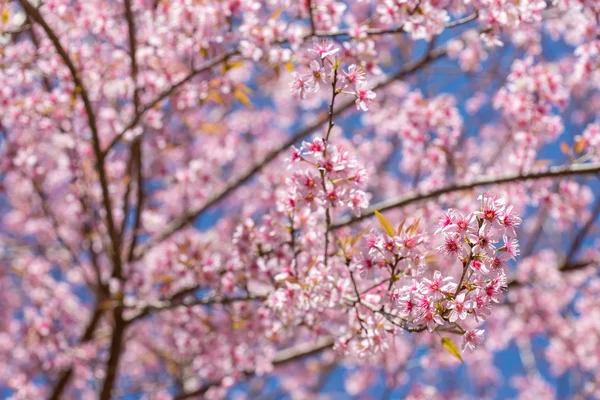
{"points": [[302, 85], [318, 73], [444, 223], [511, 248], [453, 246], [472, 339], [324, 49], [492, 208], [509, 220], [354, 75], [459, 308], [315, 147], [479, 266], [431, 318], [358, 200], [436, 285], [364, 96], [406, 305], [494, 289]]}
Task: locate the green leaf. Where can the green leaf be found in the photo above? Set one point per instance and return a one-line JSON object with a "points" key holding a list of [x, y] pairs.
{"points": [[385, 223], [451, 347]]}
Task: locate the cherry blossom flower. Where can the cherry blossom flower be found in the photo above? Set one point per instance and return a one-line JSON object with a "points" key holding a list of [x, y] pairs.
{"points": [[364, 96], [472, 339], [324, 49]]}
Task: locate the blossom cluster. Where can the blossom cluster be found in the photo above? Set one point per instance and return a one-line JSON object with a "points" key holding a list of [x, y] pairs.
{"points": [[333, 177], [528, 102], [151, 230], [325, 69], [482, 242]]}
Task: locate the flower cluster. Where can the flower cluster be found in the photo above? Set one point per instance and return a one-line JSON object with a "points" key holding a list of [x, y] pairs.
{"points": [[332, 178], [482, 242], [149, 227], [587, 68], [528, 102], [325, 69]]}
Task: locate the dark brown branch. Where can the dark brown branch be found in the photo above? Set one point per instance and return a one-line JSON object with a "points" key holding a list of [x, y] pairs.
{"points": [[388, 31], [463, 20], [35, 16], [311, 18], [137, 149], [552, 172], [129, 174], [176, 302], [116, 347], [132, 52], [62, 382], [120, 326]]}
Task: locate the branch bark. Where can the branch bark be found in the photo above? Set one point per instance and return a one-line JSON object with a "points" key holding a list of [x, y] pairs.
{"points": [[35, 16], [62, 382], [551, 172]]}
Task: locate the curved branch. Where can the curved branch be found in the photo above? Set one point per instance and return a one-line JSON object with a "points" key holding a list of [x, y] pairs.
{"points": [[552, 172], [35, 16], [567, 267]]}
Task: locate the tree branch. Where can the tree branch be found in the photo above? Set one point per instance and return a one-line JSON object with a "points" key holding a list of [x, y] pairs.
{"points": [[168, 92], [62, 382], [35, 16], [282, 357], [552, 172], [118, 333], [582, 233], [173, 303], [567, 267]]}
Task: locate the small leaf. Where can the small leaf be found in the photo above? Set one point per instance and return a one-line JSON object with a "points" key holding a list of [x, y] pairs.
{"points": [[400, 226], [430, 258], [289, 66], [580, 145], [215, 96], [413, 228], [211, 128], [276, 13], [451, 347], [385, 223], [564, 147], [231, 65], [355, 239], [242, 97], [542, 163]]}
